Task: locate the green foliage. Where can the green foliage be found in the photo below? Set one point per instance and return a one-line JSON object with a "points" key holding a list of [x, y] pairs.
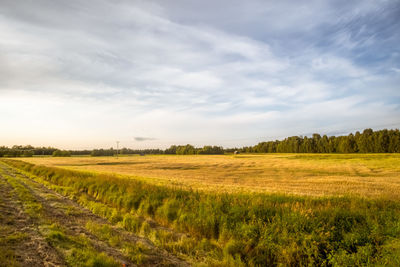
{"points": [[102, 152], [384, 141], [185, 150], [171, 150], [129, 151], [242, 229], [132, 223], [90, 258], [56, 236], [61, 153], [25, 151], [191, 150], [211, 150]]}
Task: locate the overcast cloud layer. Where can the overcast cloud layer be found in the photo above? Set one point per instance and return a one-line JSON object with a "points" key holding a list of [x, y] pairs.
{"points": [[83, 74]]}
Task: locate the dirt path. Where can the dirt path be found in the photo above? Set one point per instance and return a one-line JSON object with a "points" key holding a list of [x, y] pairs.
{"points": [[73, 218], [22, 242]]}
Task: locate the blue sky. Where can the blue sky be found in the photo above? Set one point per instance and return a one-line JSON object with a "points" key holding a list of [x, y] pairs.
{"points": [[83, 74]]}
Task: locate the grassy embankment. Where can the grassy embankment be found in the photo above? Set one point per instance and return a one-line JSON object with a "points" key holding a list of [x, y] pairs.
{"points": [[239, 228]]}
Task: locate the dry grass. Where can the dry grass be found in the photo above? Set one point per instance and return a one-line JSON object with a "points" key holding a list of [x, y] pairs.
{"points": [[369, 175]]}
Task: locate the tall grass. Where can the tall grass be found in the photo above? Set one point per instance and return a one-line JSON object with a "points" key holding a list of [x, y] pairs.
{"points": [[242, 229]]}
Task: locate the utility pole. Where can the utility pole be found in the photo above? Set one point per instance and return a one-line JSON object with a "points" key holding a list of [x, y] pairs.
{"points": [[117, 148]]}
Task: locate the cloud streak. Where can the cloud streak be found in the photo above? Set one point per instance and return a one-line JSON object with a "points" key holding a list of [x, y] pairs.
{"points": [[141, 139]]}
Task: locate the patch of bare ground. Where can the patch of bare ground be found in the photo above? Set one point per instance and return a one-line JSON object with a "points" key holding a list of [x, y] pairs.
{"points": [[63, 211]]}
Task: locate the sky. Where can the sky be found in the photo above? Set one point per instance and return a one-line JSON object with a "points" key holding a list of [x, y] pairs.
{"points": [[85, 74]]}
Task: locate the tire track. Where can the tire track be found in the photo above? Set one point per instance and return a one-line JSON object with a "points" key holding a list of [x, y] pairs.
{"points": [[73, 217], [24, 242]]}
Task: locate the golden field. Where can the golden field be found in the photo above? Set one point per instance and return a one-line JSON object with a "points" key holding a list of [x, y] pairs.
{"points": [[366, 175]]}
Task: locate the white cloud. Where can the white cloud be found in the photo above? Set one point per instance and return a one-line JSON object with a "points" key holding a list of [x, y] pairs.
{"points": [[119, 70], [337, 66]]}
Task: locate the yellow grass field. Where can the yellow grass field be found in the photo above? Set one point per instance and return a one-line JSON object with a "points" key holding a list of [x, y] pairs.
{"points": [[366, 175]]}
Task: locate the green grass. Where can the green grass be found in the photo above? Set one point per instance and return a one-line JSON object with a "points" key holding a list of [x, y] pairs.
{"points": [[77, 250], [31, 206], [136, 251], [249, 229]]}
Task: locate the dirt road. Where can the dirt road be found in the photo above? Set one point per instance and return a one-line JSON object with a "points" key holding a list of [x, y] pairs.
{"points": [[39, 227]]}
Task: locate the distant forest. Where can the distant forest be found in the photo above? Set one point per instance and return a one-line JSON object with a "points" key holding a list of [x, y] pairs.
{"points": [[383, 141]]}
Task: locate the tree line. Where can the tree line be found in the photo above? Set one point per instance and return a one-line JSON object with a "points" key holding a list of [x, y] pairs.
{"points": [[369, 141], [174, 149], [124, 151], [25, 151], [383, 141], [191, 150], [29, 151]]}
